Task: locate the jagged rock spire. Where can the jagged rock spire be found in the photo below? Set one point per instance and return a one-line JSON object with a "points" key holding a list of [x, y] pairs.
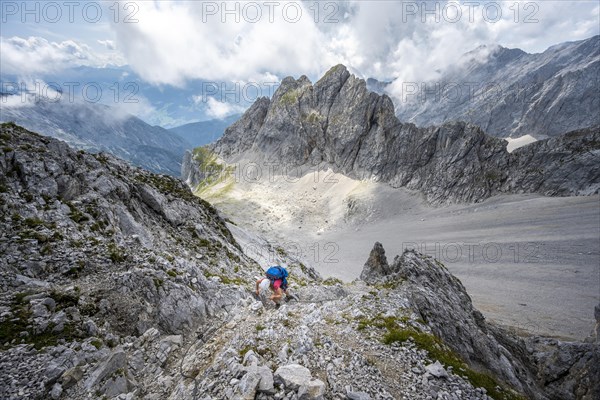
{"points": [[376, 266]]}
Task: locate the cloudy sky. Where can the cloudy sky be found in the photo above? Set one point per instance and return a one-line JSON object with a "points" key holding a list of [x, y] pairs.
{"points": [[172, 44]]}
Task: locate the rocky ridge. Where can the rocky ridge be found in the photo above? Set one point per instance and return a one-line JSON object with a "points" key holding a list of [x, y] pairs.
{"points": [[94, 254], [531, 365], [338, 123], [118, 283]]}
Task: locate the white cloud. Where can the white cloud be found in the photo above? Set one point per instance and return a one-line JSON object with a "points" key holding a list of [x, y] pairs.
{"points": [[178, 46], [109, 44], [219, 109], [174, 42], [35, 55], [382, 39]]}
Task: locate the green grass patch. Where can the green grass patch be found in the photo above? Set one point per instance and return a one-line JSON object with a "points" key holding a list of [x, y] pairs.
{"points": [[290, 97], [115, 253], [227, 280], [332, 281], [158, 283], [436, 350], [11, 329], [64, 300], [172, 273], [76, 270], [379, 321], [393, 284], [76, 215], [211, 170], [245, 350]]}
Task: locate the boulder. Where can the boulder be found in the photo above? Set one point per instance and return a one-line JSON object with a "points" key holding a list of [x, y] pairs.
{"points": [[292, 376], [298, 378], [117, 360], [436, 369]]}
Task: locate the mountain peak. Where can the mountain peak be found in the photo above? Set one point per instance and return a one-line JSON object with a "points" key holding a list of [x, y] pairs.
{"points": [[337, 73], [339, 124]]}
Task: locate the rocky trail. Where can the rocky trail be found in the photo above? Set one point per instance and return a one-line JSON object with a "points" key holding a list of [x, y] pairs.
{"points": [[332, 349], [120, 284]]}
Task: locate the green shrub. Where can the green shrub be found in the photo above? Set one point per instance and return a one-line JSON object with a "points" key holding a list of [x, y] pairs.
{"points": [[115, 253], [332, 282], [172, 273]]}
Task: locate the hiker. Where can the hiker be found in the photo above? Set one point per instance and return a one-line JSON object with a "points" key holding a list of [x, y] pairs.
{"points": [[276, 279]]}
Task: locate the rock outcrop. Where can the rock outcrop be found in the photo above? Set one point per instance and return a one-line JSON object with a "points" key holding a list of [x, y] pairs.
{"points": [[376, 268], [337, 123], [95, 254], [540, 367]]}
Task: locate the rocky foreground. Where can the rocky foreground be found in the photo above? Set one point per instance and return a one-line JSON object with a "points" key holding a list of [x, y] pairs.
{"points": [[119, 284]]}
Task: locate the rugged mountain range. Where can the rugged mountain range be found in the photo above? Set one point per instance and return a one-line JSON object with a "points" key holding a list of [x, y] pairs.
{"points": [[204, 132], [510, 93], [96, 128], [119, 283], [338, 123]]}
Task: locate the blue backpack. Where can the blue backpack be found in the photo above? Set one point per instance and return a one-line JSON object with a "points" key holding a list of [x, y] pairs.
{"points": [[278, 272]]}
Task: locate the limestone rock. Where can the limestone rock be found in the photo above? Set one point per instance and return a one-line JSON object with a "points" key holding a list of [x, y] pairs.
{"points": [[338, 123], [376, 266], [436, 369], [292, 376], [513, 93], [117, 360]]}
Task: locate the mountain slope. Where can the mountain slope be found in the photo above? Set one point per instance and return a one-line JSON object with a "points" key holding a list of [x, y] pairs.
{"points": [[337, 123], [510, 93], [97, 254], [204, 132], [118, 283], [95, 128]]}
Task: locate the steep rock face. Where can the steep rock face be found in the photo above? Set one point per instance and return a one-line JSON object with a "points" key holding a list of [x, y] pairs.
{"points": [[242, 133], [191, 171], [93, 213], [94, 252], [96, 128], [564, 165], [338, 123], [509, 92], [539, 367]]}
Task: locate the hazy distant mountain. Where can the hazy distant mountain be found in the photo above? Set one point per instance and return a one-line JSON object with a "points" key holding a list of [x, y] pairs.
{"points": [[204, 132], [377, 86], [163, 105], [96, 127], [508, 92]]}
